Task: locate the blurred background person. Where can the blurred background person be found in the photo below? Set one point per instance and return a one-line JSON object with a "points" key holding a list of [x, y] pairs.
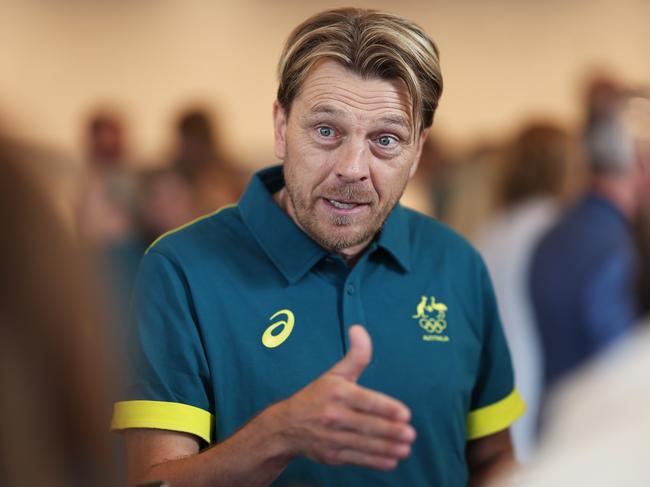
{"points": [[213, 179], [598, 421], [54, 374], [428, 190], [471, 179], [166, 201], [106, 209], [198, 180], [643, 237], [106, 199], [584, 269], [528, 200], [105, 141]]}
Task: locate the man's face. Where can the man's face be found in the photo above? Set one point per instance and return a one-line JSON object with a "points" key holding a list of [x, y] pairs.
{"points": [[348, 153]]}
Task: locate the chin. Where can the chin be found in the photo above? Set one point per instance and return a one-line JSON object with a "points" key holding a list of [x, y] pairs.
{"points": [[335, 239]]}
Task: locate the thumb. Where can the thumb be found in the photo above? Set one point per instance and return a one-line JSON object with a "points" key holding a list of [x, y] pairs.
{"points": [[358, 357]]}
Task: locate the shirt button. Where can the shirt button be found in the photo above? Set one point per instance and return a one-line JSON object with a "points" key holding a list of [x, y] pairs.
{"points": [[350, 289]]}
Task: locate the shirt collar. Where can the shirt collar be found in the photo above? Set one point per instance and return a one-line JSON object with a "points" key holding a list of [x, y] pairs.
{"points": [[290, 249], [395, 237]]}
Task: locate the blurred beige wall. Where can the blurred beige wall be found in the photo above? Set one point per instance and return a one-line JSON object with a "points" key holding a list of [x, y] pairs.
{"points": [[502, 61]]}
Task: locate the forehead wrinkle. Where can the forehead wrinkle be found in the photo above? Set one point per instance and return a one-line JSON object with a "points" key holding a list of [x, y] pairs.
{"points": [[318, 82], [396, 97], [390, 118], [362, 105], [314, 101], [324, 107], [393, 112]]}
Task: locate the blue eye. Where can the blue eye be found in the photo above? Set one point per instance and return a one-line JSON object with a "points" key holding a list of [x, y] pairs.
{"points": [[386, 141], [325, 131]]}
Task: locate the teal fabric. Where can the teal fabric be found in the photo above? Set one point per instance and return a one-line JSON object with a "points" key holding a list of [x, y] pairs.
{"points": [[206, 294]]}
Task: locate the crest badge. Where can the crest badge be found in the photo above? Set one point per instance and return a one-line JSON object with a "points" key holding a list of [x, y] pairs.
{"points": [[431, 316]]}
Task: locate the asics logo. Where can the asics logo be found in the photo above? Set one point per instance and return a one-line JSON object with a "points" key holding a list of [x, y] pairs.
{"points": [[279, 331]]}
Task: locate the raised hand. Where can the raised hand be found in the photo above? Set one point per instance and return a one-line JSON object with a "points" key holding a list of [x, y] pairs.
{"points": [[334, 420]]}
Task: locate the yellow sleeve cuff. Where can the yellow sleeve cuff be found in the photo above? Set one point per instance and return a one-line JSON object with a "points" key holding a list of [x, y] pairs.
{"points": [[162, 415], [495, 417]]}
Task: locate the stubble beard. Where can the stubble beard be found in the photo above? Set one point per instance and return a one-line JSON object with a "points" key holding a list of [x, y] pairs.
{"points": [[321, 232]]}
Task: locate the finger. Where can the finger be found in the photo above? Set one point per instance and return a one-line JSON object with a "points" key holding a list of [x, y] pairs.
{"points": [[351, 441], [373, 402], [372, 426], [358, 357]]}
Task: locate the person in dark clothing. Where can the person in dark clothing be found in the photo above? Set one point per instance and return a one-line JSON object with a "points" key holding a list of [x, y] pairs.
{"points": [[583, 273]]}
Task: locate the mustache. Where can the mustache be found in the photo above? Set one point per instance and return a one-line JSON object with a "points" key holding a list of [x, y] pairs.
{"points": [[353, 192]]}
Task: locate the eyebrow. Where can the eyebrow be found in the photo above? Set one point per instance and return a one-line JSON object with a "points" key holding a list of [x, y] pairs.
{"points": [[395, 120], [390, 119], [327, 109]]}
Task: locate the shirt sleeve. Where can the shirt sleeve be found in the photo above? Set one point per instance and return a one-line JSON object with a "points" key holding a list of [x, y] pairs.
{"points": [[495, 403], [169, 384]]}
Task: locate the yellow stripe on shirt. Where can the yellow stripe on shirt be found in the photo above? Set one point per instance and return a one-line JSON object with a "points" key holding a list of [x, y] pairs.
{"points": [[495, 417], [196, 220], [162, 415]]}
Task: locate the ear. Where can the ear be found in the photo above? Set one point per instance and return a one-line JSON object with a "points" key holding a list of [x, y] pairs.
{"points": [[280, 130], [420, 144]]}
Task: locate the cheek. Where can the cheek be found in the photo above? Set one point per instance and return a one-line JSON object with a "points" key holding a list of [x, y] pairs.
{"points": [[309, 153], [305, 169], [389, 180], [312, 162]]}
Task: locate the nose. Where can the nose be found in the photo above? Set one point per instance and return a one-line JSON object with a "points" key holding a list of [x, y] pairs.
{"points": [[352, 162]]}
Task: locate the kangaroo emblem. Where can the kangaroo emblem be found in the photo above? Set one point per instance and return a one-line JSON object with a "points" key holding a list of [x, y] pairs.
{"points": [[431, 316]]}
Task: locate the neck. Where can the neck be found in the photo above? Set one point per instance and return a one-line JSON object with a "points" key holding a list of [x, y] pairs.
{"points": [[617, 190]]}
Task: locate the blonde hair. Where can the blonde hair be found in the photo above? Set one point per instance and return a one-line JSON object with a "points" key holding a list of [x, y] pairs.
{"points": [[370, 44]]}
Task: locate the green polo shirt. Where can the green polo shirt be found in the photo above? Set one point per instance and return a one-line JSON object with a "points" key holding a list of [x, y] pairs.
{"points": [[241, 309]]}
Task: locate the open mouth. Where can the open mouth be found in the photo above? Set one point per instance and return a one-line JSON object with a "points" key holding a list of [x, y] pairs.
{"points": [[342, 205], [345, 206]]}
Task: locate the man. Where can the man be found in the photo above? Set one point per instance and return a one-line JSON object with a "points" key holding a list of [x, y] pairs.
{"points": [[584, 269], [246, 318]]}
